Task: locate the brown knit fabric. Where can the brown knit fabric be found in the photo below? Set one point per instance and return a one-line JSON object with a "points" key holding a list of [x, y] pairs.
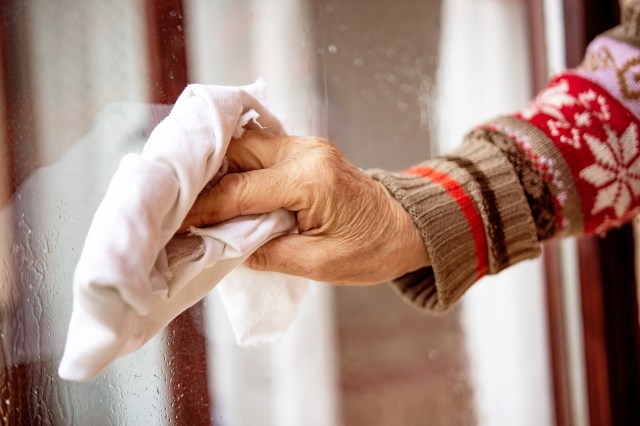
{"points": [[452, 253], [539, 149], [493, 185], [509, 233], [536, 190]]}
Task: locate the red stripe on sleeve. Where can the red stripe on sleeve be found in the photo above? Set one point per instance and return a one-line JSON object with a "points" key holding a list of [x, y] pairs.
{"points": [[457, 192]]}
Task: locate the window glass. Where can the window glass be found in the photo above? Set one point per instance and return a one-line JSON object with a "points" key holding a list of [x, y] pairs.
{"points": [[79, 85]]}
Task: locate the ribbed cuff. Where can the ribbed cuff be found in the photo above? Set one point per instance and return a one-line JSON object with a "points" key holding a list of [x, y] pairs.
{"points": [[447, 236], [472, 215]]}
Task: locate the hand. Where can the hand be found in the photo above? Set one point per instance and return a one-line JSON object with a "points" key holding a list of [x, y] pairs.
{"points": [[351, 230]]}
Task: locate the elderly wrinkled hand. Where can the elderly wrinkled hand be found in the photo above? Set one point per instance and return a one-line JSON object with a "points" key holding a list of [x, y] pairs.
{"points": [[351, 230]]}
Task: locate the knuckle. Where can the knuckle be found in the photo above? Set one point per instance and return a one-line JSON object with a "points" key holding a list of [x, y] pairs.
{"points": [[327, 159], [325, 150], [321, 142], [258, 261], [233, 188], [229, 183], [312, 144]]}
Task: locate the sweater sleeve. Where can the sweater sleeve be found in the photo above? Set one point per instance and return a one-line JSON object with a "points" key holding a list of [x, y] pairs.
{"points": [[566, 164]]}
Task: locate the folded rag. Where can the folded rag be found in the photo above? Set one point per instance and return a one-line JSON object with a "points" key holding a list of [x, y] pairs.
{"points": [[134, 276]]}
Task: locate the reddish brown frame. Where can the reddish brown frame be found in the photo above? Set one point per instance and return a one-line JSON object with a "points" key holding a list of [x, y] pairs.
{"points": [[186, 344], [607, 282]]}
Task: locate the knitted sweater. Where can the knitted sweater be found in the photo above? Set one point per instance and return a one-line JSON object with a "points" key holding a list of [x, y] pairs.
{"points": [[567, 164]]}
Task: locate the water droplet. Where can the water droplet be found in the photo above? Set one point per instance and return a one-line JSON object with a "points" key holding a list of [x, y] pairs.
{"points": [[332, 49], [407, 88]]}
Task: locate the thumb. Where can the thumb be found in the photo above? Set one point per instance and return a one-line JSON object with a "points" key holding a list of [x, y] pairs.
{"points": [[292, 254], [254, 192]]}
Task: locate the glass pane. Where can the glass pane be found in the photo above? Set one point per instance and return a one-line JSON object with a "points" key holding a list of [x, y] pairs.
{"points": [[74, 99], [387, 82]]}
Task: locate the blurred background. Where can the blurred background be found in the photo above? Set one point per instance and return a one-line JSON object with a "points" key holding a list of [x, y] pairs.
{"points": [[391, 84]]}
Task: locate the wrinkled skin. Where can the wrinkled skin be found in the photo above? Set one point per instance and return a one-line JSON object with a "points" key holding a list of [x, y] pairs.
{"points": [[351, 230]]}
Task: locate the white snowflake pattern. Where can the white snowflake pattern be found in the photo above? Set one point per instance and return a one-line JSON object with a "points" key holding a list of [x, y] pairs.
{"points": [[550, 102], [553, 100], [582, 119], [616, 171], [595, 103], [574, 140]]}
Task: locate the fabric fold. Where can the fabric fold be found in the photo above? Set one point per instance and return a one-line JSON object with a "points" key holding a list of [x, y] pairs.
{"points": [[134, 276]]}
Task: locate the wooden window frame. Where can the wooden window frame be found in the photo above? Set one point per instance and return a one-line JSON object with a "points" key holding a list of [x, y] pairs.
{"points": [[608, 290], [186, 345]]}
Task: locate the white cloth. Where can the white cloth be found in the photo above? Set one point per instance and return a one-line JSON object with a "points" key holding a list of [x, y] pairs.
{"points": [[133, 276]]}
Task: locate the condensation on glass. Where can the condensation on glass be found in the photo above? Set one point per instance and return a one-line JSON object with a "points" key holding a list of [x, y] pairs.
{"points": [[75, 97]]}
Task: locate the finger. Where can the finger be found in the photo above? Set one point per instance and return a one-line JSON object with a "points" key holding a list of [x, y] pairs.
{"points": [[253, 192], [256, 149], [292, 254], [253, 151]]}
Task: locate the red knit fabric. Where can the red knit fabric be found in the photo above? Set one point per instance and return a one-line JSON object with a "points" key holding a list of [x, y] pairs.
{"points": [[598, 138]]}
